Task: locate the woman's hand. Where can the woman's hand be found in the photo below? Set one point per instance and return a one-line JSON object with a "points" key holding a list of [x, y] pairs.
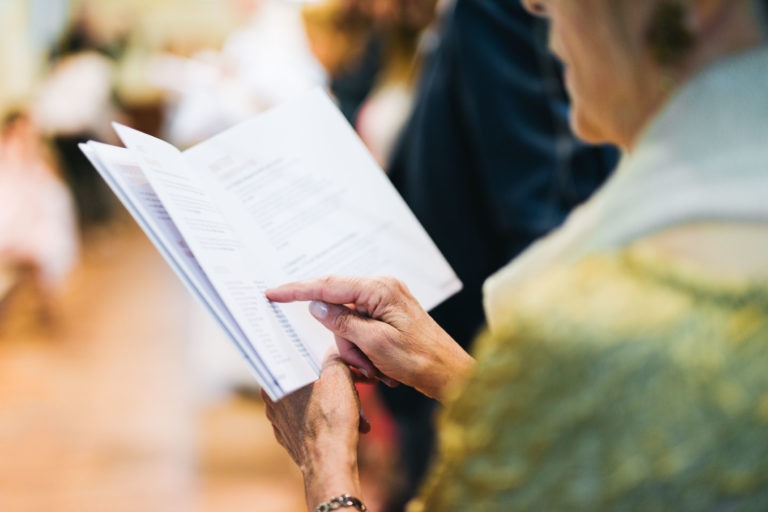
{"points": [[381, 329], [318, 425]]}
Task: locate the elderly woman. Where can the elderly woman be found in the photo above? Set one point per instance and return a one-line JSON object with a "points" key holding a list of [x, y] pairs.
{"points": [[624, 365]]}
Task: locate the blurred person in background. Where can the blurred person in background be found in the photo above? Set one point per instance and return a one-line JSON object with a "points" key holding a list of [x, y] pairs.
{"points": [[38, 230], [624, 366], [74, 104], [405, 29], [340, 37], [266, 60], [38, 235], [371, 52], [101, 64]]}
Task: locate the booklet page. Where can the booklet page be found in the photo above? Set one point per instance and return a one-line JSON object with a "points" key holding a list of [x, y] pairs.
{"points": [[303, 192]]}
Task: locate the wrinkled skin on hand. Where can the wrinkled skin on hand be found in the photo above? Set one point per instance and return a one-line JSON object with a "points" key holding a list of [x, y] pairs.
{"points": [[319, 426], [381, 329]]}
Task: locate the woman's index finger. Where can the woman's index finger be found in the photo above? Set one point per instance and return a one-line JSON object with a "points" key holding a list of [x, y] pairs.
{"points": [[332, 289]]}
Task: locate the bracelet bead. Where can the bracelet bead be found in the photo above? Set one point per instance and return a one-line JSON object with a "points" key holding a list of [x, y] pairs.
{"points": [[343, 501]]}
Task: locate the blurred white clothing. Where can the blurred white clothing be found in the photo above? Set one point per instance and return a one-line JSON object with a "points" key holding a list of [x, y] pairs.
{"points": [[261, 65], [382, 117], [271, 56], [37, 218], [76, 96]]}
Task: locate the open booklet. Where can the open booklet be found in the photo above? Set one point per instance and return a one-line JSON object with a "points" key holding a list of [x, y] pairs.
{"points": [[289, 195]]}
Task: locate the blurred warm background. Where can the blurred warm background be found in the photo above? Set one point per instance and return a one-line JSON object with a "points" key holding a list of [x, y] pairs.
{"points": [[117, 392]]}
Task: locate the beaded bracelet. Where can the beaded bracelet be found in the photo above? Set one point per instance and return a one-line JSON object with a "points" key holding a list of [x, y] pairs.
{"points": [[343, 501]]}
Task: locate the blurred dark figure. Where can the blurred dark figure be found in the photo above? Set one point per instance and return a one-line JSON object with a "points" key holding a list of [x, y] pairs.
{"points": [[395, 29], [362, 43], [488, 164], [81, 61]]}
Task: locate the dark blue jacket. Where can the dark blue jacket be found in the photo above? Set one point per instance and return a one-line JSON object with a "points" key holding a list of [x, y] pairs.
{"points": [[487, 161]]}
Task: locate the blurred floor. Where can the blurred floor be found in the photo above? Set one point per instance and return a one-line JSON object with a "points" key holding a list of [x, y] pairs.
{"points": [[99, 411]]}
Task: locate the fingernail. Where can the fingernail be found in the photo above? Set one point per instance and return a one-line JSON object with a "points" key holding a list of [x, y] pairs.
{"points": [[318, 309], [365, 373], [389, 382]]}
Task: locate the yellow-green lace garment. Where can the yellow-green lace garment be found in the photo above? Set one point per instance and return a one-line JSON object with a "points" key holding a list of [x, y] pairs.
{"points": [[617, 384]]}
